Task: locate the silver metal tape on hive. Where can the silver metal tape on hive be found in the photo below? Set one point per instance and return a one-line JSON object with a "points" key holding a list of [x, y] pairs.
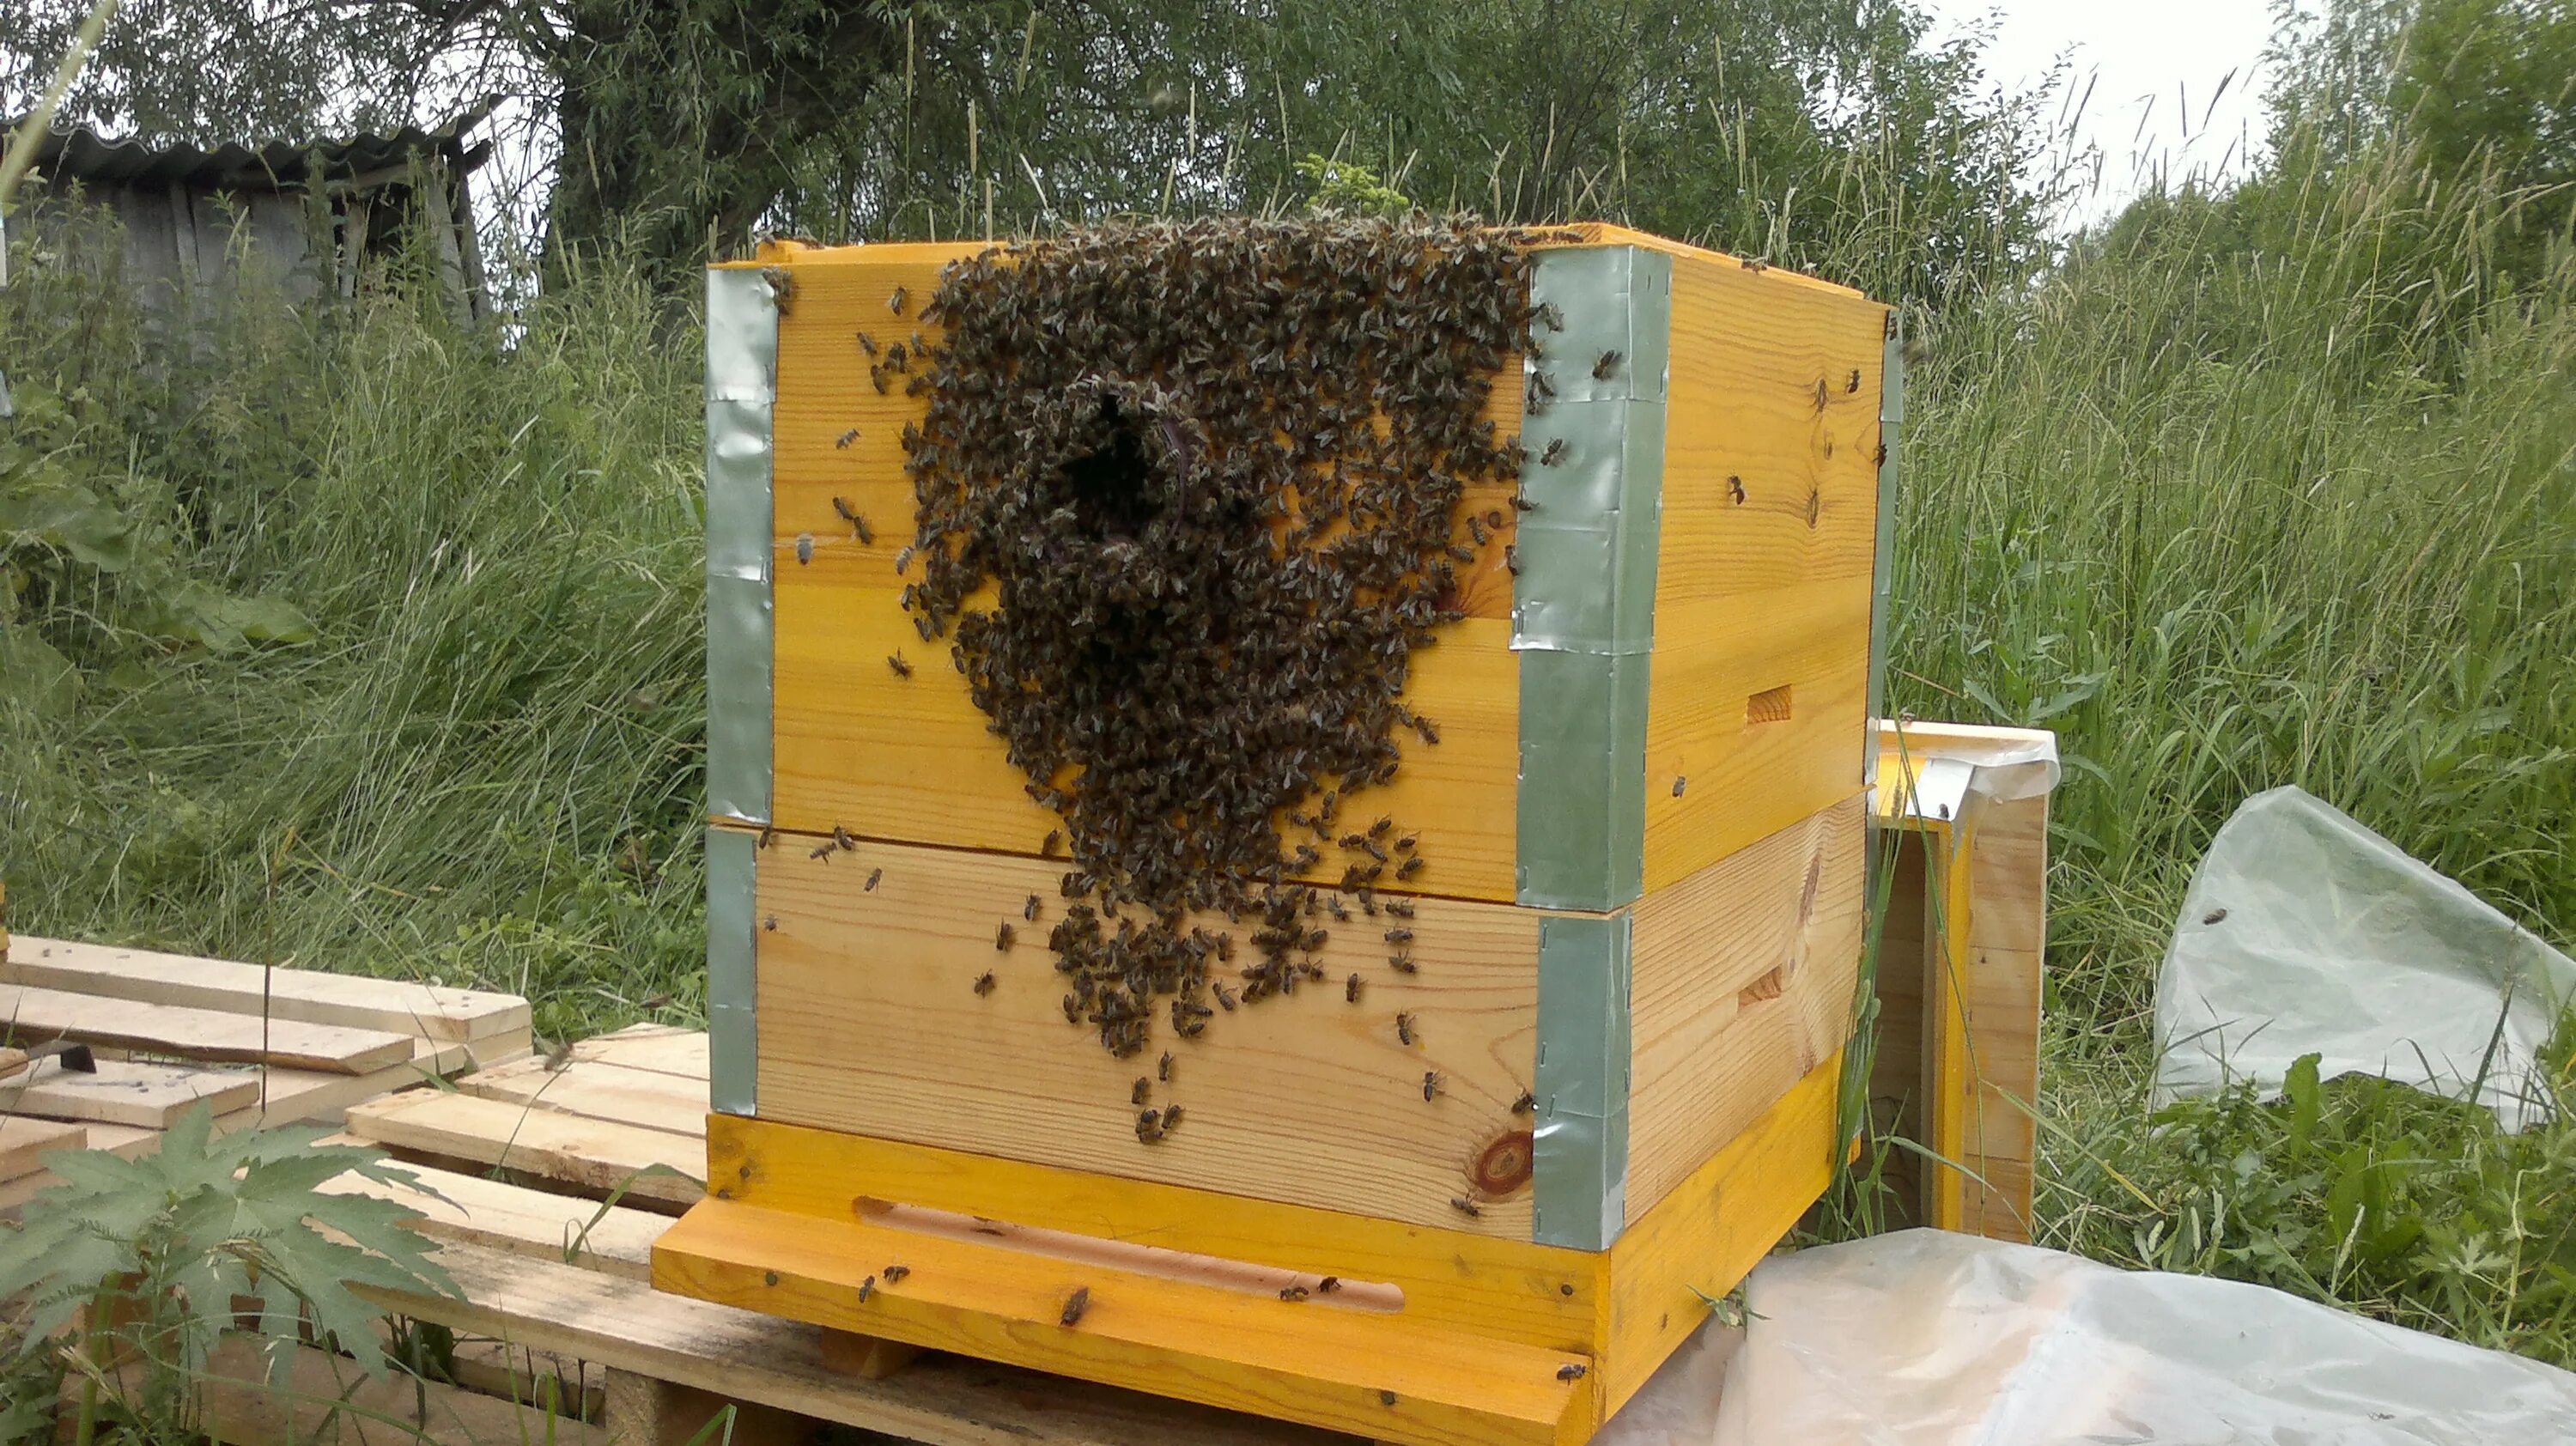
{"points": [[733, 1037], [742, 371], [1891, 415], [1583, 603], [1579, 1150]]}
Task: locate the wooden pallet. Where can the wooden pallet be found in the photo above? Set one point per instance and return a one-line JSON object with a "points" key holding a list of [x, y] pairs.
{"points": [[261, 1046]]}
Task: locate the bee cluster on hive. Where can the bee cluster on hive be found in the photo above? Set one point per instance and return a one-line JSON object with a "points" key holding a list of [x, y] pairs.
{"points": [[1211, 474]]}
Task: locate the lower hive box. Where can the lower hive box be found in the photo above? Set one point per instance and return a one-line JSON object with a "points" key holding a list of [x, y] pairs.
{"points": [[1415, 1050]]}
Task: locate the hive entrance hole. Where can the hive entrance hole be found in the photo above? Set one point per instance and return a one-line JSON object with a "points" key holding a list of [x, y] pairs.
{"points": [[1117, 488]]}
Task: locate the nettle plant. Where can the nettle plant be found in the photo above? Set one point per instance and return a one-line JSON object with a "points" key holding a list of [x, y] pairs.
{"points": [[207, 1237]]}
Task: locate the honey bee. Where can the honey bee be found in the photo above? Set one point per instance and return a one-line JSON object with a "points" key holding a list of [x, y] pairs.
{"points": [[1072, 1010], [1521, 503], [804, 548], [1552, 453], [768, 835], [1526, 1104], [984, 983], [1409, 867], [769, 924], [902, 559], [1328, 1285], [1163, 1068], [1605, 364], [844, 840], [894, 304], [1569, 1372], [1351, 990], [877, 376], [894, 1274], [1223, 995], [1002, 940], [901, 668], [822, 851], [867, 344], [1074, 1305], [1853, 384], [1735, 490], [1430, 1084], [1029, 910], [1142, 1091], [1054, 836], [2214, 916], [1149, 1126], [844, 441], [1464, 1206], [1511, 559], [1401, 963], [1679, 783], [1171, 1118], [1404, 1027], [1399, 935], [867, 1287], [873, 876], [1292, 1292]]}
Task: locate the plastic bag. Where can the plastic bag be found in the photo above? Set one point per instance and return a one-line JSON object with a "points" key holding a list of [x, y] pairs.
{"points": [[1926, 1338], [2305, 932]]}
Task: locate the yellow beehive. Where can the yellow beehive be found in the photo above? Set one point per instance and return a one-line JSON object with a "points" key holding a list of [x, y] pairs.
{"points": [[1609, 1084]]}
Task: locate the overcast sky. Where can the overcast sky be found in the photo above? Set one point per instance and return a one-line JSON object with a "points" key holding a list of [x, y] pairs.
{"points": [[2156, 65]]}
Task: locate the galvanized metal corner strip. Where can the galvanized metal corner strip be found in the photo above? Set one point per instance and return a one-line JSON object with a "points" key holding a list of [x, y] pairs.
{"points": [[1882, 599], [1583, 602], [1579, 1177], [733, 1036], [742, 365], [742, 389]]}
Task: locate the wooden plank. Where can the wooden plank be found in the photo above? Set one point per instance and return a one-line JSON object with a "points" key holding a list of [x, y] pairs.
{"points": [[1320, 1362], [641, 1411], [1538, 1294], [493, 1213], [1741, 980], [24, 1143], [745, 1356], [303, 995], [662, 1048], [599, 1091], [122, 1092], [295, 1096], [328, 1400], [1711, 1230], [1772, 591], [589, 1155], [42, 1014], [869, 1024]]}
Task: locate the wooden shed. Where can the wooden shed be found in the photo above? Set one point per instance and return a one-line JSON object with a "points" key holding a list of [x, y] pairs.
{"points": [[303, 217]]}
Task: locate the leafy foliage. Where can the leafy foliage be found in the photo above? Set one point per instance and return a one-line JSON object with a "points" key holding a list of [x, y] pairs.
{"points": [[175, 1237]]}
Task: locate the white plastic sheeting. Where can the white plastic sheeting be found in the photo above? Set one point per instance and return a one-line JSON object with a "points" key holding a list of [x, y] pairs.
{"points": [[1925, 1338], [2305, 932]]}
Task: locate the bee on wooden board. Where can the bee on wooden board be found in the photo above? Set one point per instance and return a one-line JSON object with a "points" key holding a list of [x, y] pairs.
{"points": [[984, 983], [1404, 1029], [843, 442], [901, 668], [873, 876], [1430, 1085]]}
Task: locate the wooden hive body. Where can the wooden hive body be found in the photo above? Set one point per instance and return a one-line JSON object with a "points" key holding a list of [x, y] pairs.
{"points": [[1643, 826]]}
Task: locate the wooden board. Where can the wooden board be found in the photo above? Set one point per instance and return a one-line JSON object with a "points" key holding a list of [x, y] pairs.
{"points": [[662, 1048], [43, 1014], [24, 1143], [1741, 981], [150, 1096], [1770, 593], [870, 1024], [302, 995], [586, 1155], [1536, 1294], [598, 1090], [625, 1325], [562, 1228]]}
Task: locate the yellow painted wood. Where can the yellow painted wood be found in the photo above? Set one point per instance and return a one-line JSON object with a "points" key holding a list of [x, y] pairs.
{"points": [[1741, 982], [870, 1023], [1316, 1361], [1772, 591], [1707, 1234], [1537, 1295]]}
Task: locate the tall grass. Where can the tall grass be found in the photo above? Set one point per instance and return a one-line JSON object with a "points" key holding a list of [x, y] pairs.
{"points": [[2271, 488]]}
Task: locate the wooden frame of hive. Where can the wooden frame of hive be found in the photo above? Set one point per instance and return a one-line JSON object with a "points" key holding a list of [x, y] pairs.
{"points": [[1645, 826]]}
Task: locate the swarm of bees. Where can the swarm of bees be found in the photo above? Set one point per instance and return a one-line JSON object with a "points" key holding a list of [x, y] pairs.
{"points": [[1212, 473]]}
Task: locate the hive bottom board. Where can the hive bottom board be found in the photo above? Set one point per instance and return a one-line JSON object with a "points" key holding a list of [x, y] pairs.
{"points": [[1429, 1337]]}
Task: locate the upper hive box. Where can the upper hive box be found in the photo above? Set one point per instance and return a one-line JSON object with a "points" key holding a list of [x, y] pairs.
{"points": [[1678, 668]]}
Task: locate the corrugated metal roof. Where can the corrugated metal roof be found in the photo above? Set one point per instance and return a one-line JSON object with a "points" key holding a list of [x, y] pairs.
{"points": [[84, 154]]}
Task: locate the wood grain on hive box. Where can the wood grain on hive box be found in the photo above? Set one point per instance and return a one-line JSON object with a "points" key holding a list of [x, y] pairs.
{"points": [[1765, 598], [870, 1023]]}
